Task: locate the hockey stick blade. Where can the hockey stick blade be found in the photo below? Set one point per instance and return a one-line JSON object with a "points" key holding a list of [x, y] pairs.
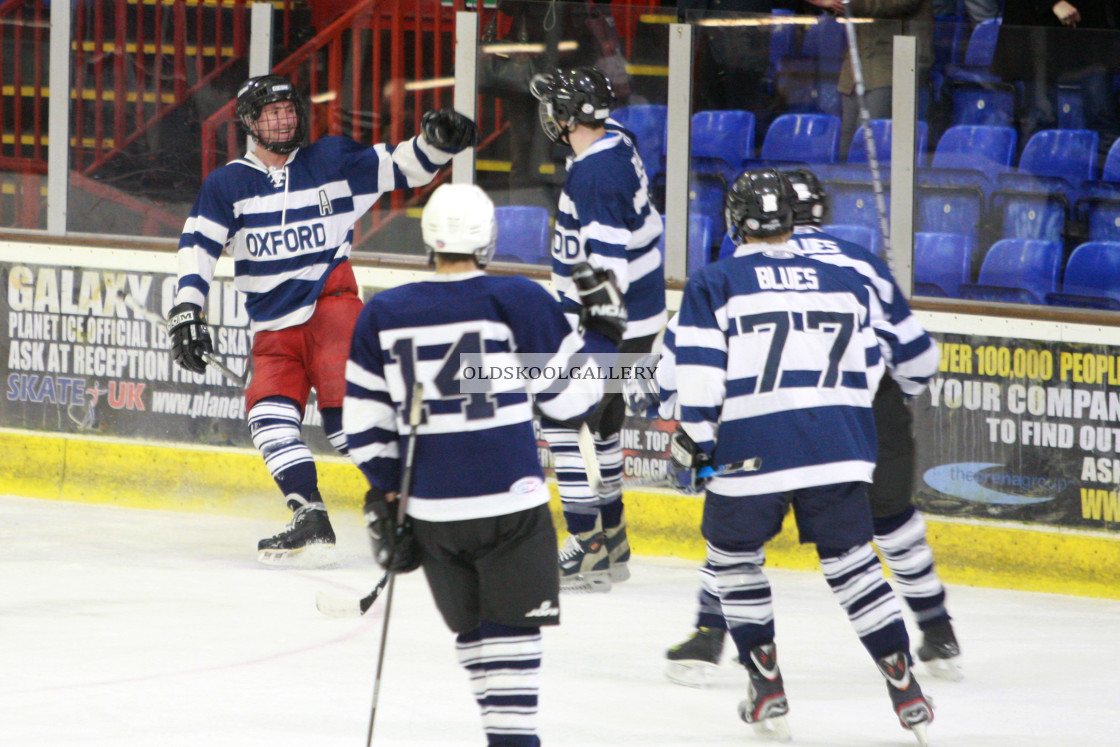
{"points": [[334, 605]]}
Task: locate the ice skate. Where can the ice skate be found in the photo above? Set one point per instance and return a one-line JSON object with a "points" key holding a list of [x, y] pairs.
{"points": [[694, 662], [584, 563], [940, 652], [618, 552], [766, 706], [307, 541], [914, 710]]}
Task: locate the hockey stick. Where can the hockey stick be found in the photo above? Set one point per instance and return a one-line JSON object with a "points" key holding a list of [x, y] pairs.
{"points": [[590, 459], [868, 137], [415, 411], [154, 318]]}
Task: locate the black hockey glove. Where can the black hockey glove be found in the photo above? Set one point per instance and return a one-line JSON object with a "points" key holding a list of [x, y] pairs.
{"points": [[190, 338], [692, 466], [394, 545], [603, 310], [449, 130]]}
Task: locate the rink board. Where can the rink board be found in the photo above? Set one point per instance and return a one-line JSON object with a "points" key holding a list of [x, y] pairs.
{"points": [[235, 482]]}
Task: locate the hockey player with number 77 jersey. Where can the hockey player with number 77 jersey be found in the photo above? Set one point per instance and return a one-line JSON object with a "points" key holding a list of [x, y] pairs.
{"points": [[777, 363]]}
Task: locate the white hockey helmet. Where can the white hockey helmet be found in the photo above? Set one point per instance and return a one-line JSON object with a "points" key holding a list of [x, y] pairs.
{"points": [[459, 219]]}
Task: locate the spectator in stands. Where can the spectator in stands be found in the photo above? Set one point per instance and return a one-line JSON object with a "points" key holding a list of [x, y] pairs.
{"points": [[876, 53], [1044, 44]]}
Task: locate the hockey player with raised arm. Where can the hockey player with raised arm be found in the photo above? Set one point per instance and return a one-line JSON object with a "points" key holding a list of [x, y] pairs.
{"points": [[778, 358], [286, 212], [604, 217], [900, 531], [477, 517]]}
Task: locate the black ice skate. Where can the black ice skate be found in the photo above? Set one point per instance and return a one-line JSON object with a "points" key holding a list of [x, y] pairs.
{"points": [[766, 706], [584, 563], [694, 662], [939, 652], [307, 541], [618, 552], [914, 711]]}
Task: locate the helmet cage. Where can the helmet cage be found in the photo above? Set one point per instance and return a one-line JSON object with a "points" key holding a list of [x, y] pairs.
{"points": [[261, 91], [568, 98]]}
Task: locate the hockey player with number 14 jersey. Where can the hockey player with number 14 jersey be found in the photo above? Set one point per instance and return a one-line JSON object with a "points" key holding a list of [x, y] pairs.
{"points": [[478, 509]]}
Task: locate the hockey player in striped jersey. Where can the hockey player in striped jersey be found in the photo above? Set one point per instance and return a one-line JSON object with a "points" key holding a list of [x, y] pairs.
{"points": [[900, 531], [604, 217], [778, 357], [286, 212], [478, 509]]}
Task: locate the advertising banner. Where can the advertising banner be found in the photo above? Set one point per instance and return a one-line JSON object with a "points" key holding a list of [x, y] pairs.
{"points": [[86, 352], [1021, 430]]}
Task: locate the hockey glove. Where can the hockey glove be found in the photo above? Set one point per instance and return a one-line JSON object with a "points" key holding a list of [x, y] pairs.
{"points": [[190, 338], [640, 390], [603, 310], [394, 545], [691, 465], [449, 130]]}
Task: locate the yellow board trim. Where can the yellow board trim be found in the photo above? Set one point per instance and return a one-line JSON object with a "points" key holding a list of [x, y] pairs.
{"points": [[234, 481]]}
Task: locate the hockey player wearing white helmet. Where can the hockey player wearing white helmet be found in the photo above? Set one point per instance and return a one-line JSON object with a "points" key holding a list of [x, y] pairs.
{"points": [[477, 517]]}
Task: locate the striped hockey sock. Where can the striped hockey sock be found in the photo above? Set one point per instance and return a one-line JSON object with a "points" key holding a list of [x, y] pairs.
{"points": [[856, 579], [504, 665], [902, 541]]}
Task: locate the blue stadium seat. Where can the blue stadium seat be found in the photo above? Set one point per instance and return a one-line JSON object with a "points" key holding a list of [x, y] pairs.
{"points": [[808, 91], [1029, 215], [705, 197], [942, 261], [1111, 170], [1071, 110], [866, 236], [648, 123], [701, 231], [986, 148], [825, 40], [722, 141], [981, 49], [1017, 271], [1064, 154], [523, 234], [802, 138], [853, 203], [950, 209], [881, 132], [983, 105], [1092, 277]]}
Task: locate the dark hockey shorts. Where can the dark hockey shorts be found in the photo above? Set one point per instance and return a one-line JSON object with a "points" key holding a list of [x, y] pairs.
{"points": [[500, 568], [892, 485], [831, 516]]}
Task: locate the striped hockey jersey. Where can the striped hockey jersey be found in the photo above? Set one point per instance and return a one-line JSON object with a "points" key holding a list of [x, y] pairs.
{"points": [[288, 228], [605, 217], [476, 454], [777, 359], [919, 351]]}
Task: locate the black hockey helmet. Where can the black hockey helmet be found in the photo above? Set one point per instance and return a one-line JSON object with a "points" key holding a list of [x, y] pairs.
{"points": [[759, 205], [808, 197], [582, 95], [262, 90]]}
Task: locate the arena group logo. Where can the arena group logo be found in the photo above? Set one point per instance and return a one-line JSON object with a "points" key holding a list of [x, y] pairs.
{"points": [[992, 483]]}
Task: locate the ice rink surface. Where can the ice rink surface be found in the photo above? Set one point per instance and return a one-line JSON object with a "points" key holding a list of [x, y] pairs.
{"points": [[139, 628]]}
